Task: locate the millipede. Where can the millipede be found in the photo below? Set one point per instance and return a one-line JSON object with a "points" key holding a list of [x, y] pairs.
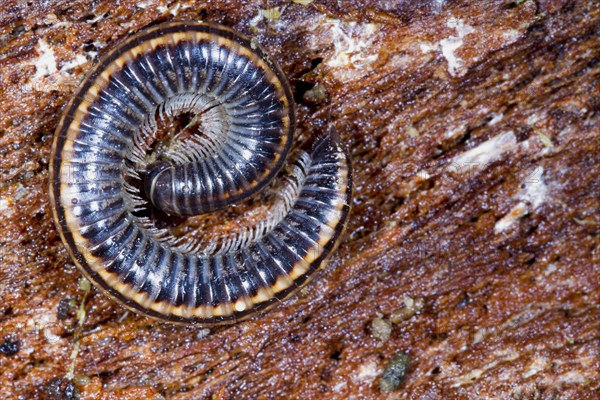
{"points": [[112, 165]]}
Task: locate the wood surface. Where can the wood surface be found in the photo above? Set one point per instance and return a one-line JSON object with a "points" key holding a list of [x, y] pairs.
{"points": [[474, 129]]}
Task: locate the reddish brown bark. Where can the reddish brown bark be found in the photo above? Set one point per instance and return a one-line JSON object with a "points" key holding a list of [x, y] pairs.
{"points": [[474, 131]]}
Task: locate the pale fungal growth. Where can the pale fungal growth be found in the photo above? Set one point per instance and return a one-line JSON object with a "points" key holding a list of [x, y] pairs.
{"points": [[450, 45], [531, 196], [482, 155]]}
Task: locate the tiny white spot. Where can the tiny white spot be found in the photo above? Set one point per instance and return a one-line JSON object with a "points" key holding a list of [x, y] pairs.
{"points": [[175, 10], [95, 19], [539, 364], [485, 153], [514, 214], [449, 45], [535, 118], [531, 196], [456, 131], [496, 117], [5, 207], [355, 47], [550, 269], [69, 65], [368, 371], [45, 64], [338, 387], [423, 175], [474, 375], [202, 333], [535, 189]]}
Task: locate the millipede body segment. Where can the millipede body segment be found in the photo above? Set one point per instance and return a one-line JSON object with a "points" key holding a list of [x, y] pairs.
{"points": [[110, 162]]}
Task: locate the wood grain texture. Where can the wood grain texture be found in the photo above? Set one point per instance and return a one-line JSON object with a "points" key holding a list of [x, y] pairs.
{"points": [[474, 129]]}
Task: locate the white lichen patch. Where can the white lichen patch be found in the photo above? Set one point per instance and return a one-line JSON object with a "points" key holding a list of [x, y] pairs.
{"points": [[583, 375], [423, 175], [534, 189], [496, 117], [7, 207], [47, 76], [202, 333], [475, 374], [532, 195], [45, 324], [536, 366], [355, 47], [52, 19], [368, 371], [455, 131], [438, 5], [145, 4], [8, 203], [479, 157], [79, 59], [45, 63], [510, 36], [172, 9], [513, 215], [550, 269], [95, 18], [271, 16], [340, 386], [412, 132], [449, 45]]}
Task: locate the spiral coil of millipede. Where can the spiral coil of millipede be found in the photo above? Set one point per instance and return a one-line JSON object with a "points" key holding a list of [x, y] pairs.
{"points": [[109, 164]]}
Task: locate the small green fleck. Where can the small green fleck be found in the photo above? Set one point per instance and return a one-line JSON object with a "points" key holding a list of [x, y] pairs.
{"points": [[545, 140], [272, 14], [585, 221], [316, 95], [412, 131], [81, 380], [394, 373], [84, 284], [80, 314]]}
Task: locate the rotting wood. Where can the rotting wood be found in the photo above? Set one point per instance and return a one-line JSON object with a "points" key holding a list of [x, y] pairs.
{"points": [[474, 129]]}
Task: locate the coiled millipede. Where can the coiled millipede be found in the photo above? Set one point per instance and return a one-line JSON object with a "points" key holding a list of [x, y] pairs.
{"points": [[110, 166]]}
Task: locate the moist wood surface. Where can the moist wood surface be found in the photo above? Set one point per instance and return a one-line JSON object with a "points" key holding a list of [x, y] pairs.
{"points": [[474, 128]]}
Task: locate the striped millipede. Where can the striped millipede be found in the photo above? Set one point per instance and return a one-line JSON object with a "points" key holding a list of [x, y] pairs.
{"points": [[109, 165]]}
